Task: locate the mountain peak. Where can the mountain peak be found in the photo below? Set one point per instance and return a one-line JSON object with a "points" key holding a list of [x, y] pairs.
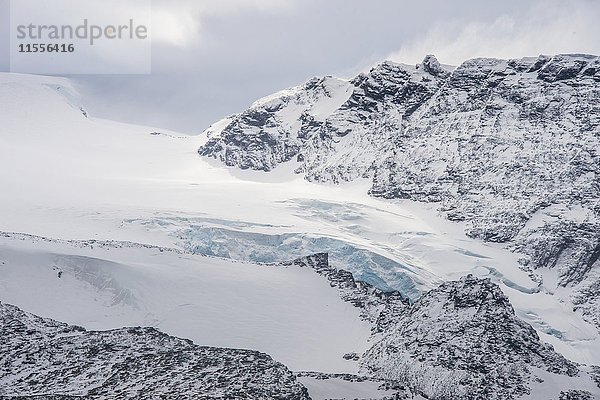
{"points": [[431, 65], [465, 334]]}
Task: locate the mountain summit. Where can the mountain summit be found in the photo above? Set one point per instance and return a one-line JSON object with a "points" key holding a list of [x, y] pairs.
{"points": [[510, 148]]}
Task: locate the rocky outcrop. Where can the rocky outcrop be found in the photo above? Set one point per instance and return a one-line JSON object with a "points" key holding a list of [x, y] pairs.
{"points": [[44, 359], [463, 340], [271, 131], [508, 147], [377, 306]]}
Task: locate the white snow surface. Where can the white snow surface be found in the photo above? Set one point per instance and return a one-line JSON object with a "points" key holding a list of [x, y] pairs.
{"points": [[291, 313], [66, 176], [336, 388]]}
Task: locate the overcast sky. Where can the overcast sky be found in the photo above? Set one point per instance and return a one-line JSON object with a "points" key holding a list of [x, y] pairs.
{"points": [[211, 58]]}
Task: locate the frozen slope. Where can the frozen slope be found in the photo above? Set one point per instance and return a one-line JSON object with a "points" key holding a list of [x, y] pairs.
{"points": [[65, 175], [288, 312]]}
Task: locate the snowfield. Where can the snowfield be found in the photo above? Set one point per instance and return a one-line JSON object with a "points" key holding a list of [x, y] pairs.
{"points": [[289, 313]]}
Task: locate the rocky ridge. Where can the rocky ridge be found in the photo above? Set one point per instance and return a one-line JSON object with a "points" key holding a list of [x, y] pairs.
{"points": [[45, 359], [463, 340]]}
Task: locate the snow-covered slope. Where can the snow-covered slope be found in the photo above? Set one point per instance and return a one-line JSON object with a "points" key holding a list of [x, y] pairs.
{"points": [[289, 313], [508, 147], [460, 340], [464, 328], [463, 340], [41, 356]]}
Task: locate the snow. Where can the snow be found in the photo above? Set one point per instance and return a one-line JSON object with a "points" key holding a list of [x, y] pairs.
{"points": [[70, 177], [552, 385], [288, 312], [336, 388]]}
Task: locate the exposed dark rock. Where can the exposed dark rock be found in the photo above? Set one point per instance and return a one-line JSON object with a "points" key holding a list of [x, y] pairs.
{"points": [[575, 395], [48, 360], [463, 340]]}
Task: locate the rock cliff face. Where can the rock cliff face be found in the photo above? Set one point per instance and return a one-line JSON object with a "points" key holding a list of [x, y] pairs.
{"points": [[378, 307], [511, 148], [44, 359], [463, 340]]}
